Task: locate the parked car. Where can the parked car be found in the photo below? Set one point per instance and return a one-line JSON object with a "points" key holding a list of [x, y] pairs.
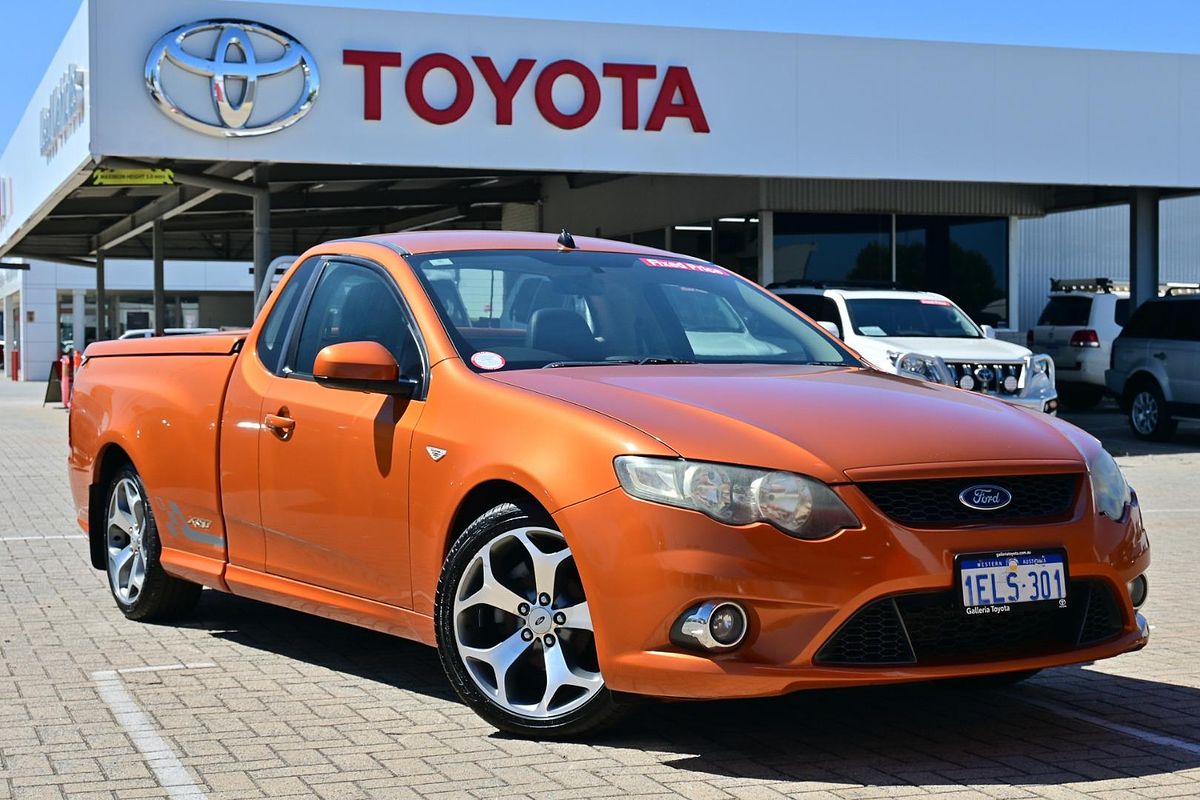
{"points": [[576, 511], [146, 333], [925, 335], [1156, 365], [1077, 328]]}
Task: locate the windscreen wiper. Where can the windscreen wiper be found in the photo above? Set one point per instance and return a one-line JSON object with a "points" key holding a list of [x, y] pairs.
{"points": [[639, 361], [554, 364], [664, 360]]}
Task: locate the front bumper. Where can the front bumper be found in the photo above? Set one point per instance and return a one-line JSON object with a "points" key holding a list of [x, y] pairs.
{"points": [[643, 564], [1046, 403]]}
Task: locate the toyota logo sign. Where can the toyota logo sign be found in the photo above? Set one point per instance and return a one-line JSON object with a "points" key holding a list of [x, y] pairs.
{"points": [[241, 56]]}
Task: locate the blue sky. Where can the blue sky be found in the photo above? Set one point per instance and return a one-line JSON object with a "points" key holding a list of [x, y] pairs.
{"points": [[1154, 25]]}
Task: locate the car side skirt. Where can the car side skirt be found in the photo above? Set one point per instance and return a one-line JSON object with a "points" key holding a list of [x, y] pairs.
{"points": [[330, 604]]}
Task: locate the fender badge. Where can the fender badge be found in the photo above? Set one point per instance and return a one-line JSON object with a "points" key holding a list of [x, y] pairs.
{"points": [[436, 453], [199, 523]]}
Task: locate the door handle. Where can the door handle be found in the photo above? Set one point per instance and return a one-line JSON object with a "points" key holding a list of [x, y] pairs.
{"points": [[280, 424], [1161, 356]]}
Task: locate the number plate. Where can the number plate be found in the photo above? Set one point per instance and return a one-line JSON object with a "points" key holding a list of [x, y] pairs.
{"points": [[995, 583]]}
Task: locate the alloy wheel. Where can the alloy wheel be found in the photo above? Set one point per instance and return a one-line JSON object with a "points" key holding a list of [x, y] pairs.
{"points": [[126, 525], [1144, 413], [522, 626]]}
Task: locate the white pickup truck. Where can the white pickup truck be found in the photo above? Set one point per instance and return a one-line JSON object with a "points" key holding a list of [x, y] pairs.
{"points": [[926, 335]]}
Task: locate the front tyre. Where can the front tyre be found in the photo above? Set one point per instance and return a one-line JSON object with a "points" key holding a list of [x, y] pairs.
{"points": [[514, 631], [142, 589]]}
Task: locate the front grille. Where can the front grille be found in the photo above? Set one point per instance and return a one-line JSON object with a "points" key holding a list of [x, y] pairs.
{"points": [[930, 628], [986, 377], [933, 502]]}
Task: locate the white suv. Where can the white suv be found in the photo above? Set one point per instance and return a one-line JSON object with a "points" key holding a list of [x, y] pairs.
{"points": [[1077, 328], [925, 335]]}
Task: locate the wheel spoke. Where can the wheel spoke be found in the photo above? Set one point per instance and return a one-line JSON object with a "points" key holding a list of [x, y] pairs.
{"points": [[492, 592], [545, 565], [578, 617], [119, 561], [560, 674], [500, 658], [119, 518], [137, 572]]}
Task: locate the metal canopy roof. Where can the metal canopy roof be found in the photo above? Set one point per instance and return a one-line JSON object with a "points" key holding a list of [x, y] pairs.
{"points": [[207, 213]]}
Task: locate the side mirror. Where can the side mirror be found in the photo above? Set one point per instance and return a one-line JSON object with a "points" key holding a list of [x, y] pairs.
{"points": [[988, 332], [363, 367], [832, 327]]}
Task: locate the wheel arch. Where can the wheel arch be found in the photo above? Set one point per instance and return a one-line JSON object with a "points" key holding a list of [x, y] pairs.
{"points": [[484, 496], [1136, 380], [111, 458]]}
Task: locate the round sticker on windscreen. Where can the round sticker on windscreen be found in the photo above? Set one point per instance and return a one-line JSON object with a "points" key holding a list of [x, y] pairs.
{"points": [[486, 359]]}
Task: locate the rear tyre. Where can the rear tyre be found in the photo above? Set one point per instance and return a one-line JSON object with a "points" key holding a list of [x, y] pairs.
{"points": [[142, 589], [514, 630], [1148, 415]]}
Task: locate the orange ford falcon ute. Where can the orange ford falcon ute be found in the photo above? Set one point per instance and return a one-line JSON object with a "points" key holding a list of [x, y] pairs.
{"points": [[586, 470]]}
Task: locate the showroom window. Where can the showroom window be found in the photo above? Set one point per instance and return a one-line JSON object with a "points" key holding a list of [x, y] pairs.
{"points": [[830, 247], [737, 245], [964, 258]]}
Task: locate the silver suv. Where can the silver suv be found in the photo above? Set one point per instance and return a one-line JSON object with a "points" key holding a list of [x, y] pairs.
{"points": [[1155, 366]]}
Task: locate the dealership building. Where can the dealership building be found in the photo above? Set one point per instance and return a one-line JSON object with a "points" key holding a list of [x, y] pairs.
{"points": [[208, 131]]}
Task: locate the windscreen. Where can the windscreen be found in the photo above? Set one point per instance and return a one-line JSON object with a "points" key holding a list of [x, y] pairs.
{"points": [[533, 309], [1066, 310], [910, 317]]}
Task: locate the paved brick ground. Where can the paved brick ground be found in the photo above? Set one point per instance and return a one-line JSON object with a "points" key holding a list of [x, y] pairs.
{"points": [[292, 706]]}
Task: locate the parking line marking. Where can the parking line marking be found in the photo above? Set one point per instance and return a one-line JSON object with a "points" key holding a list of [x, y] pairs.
{"points": [[1171, 510], [40, 538], [172, 775], [1129, 730], [166, 667]]}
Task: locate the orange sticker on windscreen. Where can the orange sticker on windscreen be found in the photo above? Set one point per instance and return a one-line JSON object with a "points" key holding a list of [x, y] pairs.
{"points": [[928, 302], [666, 263]]}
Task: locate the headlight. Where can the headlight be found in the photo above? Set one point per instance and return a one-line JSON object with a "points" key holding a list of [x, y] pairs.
{"points": [[929, 368], [1039, 376], [799, 506], [1109, 488]]}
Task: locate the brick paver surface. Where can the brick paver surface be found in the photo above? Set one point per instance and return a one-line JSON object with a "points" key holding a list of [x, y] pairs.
{"points": [[278, 704]]}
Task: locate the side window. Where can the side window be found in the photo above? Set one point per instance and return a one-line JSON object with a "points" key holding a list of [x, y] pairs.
{"points": [[353, 303], [1142, 320], [1189, 319], [819, 307], [274, 332], [1121, 312]]}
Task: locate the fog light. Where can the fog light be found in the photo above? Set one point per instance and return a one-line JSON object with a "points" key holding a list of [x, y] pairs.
{"points": [[1139, 587], [712, 625]]}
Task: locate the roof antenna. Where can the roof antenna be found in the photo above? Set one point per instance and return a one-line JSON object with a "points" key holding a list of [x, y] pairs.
{"points": [[566, 240]]}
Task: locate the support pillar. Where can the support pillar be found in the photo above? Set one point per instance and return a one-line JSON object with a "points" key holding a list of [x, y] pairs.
{"points": [[160, 309], [101, 299], [262, 234], [1143, 246], [766, 247], [1014, 275], [78, 310], [10, 331]]}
